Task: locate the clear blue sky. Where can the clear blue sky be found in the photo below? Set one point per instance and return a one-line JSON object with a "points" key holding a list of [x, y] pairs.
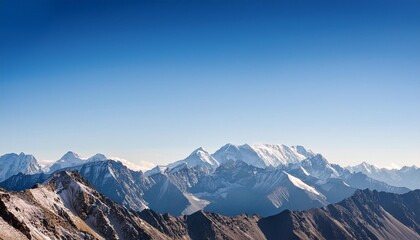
{"points": [[153, 80]]}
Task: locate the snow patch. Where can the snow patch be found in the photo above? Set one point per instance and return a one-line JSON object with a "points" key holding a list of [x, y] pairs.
{"points": [[304, 171], [300, 184], [196, 204]]}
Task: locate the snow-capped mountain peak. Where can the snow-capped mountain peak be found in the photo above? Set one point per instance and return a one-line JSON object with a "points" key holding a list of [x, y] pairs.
{"points": [[201, 155], [198, 152], [274, 155], [405, 176], [158, 169], [319, 160], [71, 159], [318, 166], [369, 167], [11, 164], [262, 155], [245, 153], [198, 157], [97, 157], [364, 167], [303, 151]]}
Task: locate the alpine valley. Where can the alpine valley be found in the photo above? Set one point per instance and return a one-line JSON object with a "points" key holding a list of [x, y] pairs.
{"points": [[259, 191]]}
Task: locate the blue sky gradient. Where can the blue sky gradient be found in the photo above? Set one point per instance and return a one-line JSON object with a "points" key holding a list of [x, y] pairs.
{"points": [[153, 80]]}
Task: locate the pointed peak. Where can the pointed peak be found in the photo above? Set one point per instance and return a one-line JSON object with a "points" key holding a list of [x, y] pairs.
{"points": [[65, 178], [303, 151], [228, 145], [62, 175], [365, 164], [198, 157], [250, 145], [158, 169], [98, 157], [183, 165], [70, 154], [198, 151], [199, 214], [364, 194], [319, 158]]}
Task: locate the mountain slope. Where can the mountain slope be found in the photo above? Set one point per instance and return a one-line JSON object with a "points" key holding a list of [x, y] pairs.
{"points": [[67, 207], [236, 187], [365, 215], [20, 181], [117, 182], [11, 164], [109, 177]]}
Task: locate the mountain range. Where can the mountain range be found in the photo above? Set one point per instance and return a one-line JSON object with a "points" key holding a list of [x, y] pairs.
{"points": [[66, 206], [262, 179], [403, 177]]}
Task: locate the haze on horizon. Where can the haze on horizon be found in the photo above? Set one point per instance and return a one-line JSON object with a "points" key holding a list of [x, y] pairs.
{"points": [[154, 80]]}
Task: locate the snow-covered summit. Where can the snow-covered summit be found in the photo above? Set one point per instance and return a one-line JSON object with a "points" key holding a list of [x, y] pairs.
{"points": [[364, 167], [318, 166], [261, 155], [97, 157], [12, 163], [303, 151], [71, 159], [274, 154], [403, 177], [257, 155], [158, 169], [198, 157]]}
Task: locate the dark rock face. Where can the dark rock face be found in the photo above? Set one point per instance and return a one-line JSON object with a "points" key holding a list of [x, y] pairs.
{"points": [[365, 215], [22, 181]]}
